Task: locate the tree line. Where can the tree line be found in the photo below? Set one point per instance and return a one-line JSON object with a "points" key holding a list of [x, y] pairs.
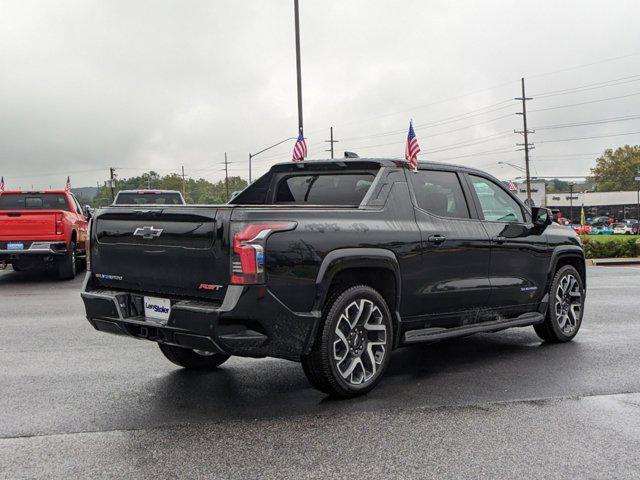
{"points": [[196, 191], [615, 170]]}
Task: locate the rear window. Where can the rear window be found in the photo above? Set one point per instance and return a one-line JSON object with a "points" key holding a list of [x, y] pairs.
{"points": [[34, 201], [324, 188], [150, 198]]}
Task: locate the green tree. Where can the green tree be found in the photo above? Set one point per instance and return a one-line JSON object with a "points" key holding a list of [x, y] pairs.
{"points": [[197, 191], [616, 170]]}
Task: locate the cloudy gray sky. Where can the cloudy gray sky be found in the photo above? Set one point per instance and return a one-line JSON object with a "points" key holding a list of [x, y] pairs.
{"points": [[86, 84]]}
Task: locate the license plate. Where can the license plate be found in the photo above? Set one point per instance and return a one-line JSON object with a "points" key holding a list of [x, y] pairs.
{"points": [[157, 308], [15, 246]]}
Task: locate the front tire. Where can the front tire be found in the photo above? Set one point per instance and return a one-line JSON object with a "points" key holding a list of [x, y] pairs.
{"points": [[353, 347], [193, 359], [566, 307]]}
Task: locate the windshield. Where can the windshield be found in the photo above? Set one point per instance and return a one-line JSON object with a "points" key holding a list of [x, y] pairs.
{"points": [[34, 201]]}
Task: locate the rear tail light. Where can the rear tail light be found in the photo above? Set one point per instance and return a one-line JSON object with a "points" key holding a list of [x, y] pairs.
{"points": [[249, 240], [59, 224]]}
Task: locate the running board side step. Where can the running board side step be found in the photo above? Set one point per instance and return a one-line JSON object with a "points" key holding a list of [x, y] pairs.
{"points": [[435, 334]]}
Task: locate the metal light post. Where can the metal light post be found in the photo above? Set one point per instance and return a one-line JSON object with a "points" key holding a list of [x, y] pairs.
{"points": [[638, 196], [571, 201], [251, 155], [517, 167]]}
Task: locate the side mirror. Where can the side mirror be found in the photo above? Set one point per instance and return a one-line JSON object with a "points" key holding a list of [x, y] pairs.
{"points": [[542, 217], [87, 211]]}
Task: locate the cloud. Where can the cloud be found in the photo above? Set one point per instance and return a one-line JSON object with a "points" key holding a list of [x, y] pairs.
{"points": [[136, 85]]}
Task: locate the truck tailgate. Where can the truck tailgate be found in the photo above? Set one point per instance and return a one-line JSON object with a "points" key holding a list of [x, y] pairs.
{"points": [[25, 224], [173, 251]]}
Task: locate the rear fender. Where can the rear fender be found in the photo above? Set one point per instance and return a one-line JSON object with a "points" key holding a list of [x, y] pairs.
{"points": [[340, 260]]}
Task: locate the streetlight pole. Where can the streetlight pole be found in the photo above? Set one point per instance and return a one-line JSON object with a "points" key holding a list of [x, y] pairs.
{"points": [[571, 201], [251, 155], [517, 167], [298, 66]]}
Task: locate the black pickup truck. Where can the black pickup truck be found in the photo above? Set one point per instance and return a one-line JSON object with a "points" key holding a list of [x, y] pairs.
{"points": [[334, 264]]}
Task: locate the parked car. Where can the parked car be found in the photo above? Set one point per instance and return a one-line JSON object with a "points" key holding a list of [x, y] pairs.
{"points": [[42, 228], [149, 197], [622, 228], [603, 230], [334, 264], [600, 222]]}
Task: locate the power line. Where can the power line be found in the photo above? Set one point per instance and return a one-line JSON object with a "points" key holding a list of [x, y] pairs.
{"points": [[585, 103], [588, 138], [584, 65], [590, 122], [590, 86]]}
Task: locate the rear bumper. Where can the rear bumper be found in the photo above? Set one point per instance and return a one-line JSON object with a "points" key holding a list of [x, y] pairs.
{"points": [[250, 322], [32, 249]]}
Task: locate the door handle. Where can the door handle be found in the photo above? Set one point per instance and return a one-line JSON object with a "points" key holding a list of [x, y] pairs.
{"points": [[499, 239], [437, 239]]}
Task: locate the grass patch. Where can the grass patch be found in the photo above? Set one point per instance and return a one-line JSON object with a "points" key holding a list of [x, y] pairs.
{"points": [[609, 238]]}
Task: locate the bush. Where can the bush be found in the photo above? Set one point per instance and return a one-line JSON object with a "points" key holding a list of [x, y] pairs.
{"points": [[612, 247]]}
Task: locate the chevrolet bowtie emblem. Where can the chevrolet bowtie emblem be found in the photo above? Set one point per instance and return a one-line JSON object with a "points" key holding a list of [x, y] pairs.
{"points": [[148, 233]]}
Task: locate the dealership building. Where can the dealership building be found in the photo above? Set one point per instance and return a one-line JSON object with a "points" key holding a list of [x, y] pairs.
{"points": [[618, 205]]}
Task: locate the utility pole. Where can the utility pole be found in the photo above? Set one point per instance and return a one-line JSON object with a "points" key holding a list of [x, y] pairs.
{"points": [[226, 175], [112, 174], [298, 66], [526, 145], [183, 181], [331, 141]]}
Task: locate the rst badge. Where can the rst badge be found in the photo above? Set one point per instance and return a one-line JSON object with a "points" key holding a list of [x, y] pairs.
{"points": [[209, 286], [148, 233]]}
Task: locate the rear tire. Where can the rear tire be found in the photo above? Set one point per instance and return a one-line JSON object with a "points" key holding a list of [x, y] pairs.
{"points": [[353, 347], [190, 359], [566, 307], [67, 265]]}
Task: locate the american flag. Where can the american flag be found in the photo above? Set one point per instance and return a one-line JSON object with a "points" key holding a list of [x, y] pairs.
{"points": [[299, 149], [2, 184], [512, 186], [411, 152], [67, 187]]}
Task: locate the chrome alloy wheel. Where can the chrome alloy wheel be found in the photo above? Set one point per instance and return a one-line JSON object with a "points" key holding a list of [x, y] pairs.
{"points": [[568, 303], [360, 342]]}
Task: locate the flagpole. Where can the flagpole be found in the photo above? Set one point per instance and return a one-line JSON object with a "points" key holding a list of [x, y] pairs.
{"points": [[298, 66]]}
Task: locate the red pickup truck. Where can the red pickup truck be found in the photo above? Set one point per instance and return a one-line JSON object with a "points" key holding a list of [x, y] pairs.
{"points": [[43, 228]]}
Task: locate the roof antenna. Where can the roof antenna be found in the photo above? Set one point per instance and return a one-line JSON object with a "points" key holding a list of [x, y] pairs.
{"points": [[351, 155]]}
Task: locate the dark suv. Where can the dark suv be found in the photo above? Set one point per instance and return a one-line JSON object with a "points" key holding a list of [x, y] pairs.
{"points": [[334, 264]]}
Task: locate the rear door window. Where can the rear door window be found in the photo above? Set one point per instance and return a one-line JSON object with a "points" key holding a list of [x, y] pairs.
{"points": [[439, 193], [324, 188]]}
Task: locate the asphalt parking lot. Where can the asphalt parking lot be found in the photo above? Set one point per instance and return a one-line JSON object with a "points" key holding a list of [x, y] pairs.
{"points": [[78, 403]]}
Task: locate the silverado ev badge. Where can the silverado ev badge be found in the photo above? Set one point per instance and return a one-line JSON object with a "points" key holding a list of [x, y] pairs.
{"points": [[148, 233]]}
